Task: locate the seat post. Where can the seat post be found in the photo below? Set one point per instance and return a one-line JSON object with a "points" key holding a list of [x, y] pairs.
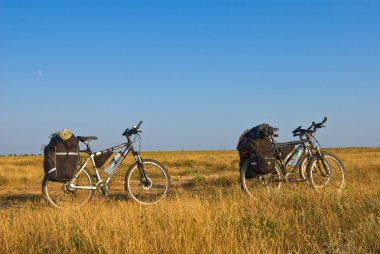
{"points": [[88, 150]]}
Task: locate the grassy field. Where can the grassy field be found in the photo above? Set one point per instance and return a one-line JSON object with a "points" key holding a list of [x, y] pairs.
{"points": [[205, 212]]}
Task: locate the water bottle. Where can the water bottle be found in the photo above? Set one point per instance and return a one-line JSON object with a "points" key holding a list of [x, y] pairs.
{"points": [[297, 154], [112, 164]]}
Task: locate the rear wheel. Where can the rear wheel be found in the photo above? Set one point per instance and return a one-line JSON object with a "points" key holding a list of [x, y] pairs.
{"points": [[153, 188], [257, 184], [61, 195], [326, 172]]}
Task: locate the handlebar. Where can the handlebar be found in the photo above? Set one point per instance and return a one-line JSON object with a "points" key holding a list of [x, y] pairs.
{"points": [[312, 128], [133, 130], [138, 126], [320, 125]]}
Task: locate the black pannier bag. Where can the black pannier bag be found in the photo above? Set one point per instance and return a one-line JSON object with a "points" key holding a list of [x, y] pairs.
{"points": [[262, 155], [100, 159], [61, 158], [242, 146], [285, 151], [254, 144]]}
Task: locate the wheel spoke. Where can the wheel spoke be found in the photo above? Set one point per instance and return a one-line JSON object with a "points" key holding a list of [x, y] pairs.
{"points": [[150, 193], [256, 185], [327, 175], [61, 196]]}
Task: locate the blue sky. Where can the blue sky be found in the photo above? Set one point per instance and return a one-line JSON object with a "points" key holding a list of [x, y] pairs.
{"points": [[197, 72]]}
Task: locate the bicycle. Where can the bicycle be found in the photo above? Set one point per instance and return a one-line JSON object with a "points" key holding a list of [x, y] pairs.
{"points": [[146, 181], [321, 169]]}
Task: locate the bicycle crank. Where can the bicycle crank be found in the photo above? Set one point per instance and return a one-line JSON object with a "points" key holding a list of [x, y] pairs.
{"points": [[290, 177], [104, 188]]}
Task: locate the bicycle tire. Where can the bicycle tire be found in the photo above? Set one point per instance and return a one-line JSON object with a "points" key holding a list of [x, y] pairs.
{"points": [[258, 184], [59, 195], [303, 166], [320, 178], [159, 182]]}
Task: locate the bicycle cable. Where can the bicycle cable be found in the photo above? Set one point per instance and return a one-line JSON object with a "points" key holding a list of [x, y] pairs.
{"points": [[312, 135], [137, 138]]}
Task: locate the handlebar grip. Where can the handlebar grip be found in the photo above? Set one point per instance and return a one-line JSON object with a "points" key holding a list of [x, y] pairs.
{"points": [[138, 126], [296, 130], [132, 131], [320, 125]]}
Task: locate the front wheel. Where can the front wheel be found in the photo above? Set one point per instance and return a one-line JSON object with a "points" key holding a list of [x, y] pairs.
{"points": [[326, 172], [303, 166], [153, 188], [256, 184]]}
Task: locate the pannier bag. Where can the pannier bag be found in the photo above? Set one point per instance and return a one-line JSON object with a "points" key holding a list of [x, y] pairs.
{"points": [[262, 155], [61, 156], [101, 158], [254, 145], [242, 146]]}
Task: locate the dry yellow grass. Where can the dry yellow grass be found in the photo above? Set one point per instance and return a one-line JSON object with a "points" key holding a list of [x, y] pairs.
{"points": [[205, 212]]}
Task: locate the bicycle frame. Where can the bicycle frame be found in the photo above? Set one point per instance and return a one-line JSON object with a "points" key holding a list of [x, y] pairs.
{"points": [[307, 146], [128, 148], [310, 145]]}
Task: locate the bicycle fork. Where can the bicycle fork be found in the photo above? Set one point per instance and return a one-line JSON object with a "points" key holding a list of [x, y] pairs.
{"points": [[143, 176], [321, 160]]}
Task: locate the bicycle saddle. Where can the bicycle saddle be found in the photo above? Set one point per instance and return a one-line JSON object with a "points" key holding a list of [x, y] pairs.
{"points": [[86, 139]]}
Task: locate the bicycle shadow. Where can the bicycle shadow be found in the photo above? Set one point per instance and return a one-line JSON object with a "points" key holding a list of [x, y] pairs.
{"points": [[118, 197], [19, 199]]}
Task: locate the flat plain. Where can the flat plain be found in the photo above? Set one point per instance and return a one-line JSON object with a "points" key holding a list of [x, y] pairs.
{"points": [[205, 211]]}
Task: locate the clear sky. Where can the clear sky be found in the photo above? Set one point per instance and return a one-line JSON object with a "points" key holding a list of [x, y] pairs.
{"points": [[198, 72]]}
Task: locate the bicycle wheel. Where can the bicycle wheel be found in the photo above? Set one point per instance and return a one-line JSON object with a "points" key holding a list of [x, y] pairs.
{"points": [[256, 184], [326, 173], [303, 166], [60, 195], [154, 189]]}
